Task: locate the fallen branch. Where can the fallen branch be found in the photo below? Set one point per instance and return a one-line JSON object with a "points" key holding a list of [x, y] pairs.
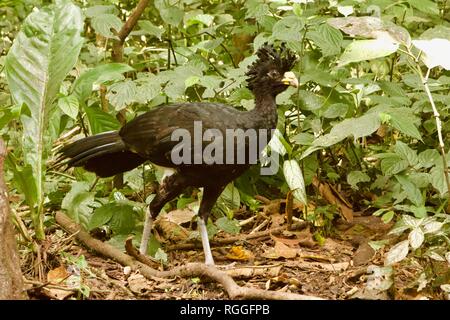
{"points": [[233, 290]]}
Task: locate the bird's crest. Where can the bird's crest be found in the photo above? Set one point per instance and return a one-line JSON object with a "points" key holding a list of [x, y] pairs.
{"points": [[282, 59]]}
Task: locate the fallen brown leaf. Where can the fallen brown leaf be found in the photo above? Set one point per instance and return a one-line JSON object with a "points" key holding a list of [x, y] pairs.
{"points": [[238, 253]]}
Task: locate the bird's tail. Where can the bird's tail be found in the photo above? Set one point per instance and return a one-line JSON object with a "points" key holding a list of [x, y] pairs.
{"points": [[105, 154]]}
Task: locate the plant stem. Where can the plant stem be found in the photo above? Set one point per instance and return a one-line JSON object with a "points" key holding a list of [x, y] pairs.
{"points": [[438, 127]]}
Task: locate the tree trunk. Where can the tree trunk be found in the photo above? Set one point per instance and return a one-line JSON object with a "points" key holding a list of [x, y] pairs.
{"points": [[11, 284]]}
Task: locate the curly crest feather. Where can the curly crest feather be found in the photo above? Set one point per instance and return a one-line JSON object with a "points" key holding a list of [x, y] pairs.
{"points": [[269, 58]]}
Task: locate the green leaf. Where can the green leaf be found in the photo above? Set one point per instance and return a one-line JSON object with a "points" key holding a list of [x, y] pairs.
{"points": [[354, 177], [425, 6], [101, 215], [439, 31], [23, 179], [428, 158], [43, 53], [356, 127], [147, 27], [438, 180], [419, 212], [204, 19], [148, 87], [172, 16], [103, 24], [100, 121], [414, 194], [288, 29], [100, 9], [392, 89], [294, 179], [403, 121], [228, 225], [122, 94], [397, 253], [393, 164], [82, 87], [336, 110], [69, 105], [230, 197], [361, 50], [78, 202], [388, 216], [191, 81], [404, 151], [327, 38], [123, 220]]}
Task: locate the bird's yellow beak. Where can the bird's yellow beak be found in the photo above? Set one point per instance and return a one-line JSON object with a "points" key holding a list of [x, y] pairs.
{"points": [[290, 79]]}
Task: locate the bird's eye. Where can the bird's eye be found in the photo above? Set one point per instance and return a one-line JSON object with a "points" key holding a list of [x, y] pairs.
{"points": [[273, 74]]}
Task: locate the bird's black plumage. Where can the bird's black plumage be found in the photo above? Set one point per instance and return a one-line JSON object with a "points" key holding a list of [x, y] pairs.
{"points": [[148, 137]]}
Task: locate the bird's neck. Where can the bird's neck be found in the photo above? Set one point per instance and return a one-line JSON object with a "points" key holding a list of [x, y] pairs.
{"points": [[266, 109]]}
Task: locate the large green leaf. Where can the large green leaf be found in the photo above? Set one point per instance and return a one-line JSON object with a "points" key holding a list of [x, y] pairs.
{"points": [[78, 202], [294, 179], [105, 23], [426, 6], [44, 51], [361, 50], [356, 127], [82, 87], [413, 192], [100, 121], [327, 38]]}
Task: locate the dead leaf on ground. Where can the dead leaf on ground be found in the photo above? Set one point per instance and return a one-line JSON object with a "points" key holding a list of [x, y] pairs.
{"points": [[180, 216], [288, 242], [137, 283], [331, 195], [57, 275], [363, 254], [239, 253], [278, 220], [58, 294], [273, 207], [171, 231], [303, 237], [280, 250]]}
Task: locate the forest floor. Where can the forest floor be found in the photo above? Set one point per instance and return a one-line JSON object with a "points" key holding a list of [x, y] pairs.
{"points": [[341, 267]]}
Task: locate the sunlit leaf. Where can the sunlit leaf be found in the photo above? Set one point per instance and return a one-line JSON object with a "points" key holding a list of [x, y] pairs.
{"points": [[361, 50], [435, 52], [397, 253], [416, 238], [294, 179]]}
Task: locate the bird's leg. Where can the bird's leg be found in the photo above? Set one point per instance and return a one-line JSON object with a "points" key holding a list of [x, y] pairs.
{"points": [[170, 187], [147, 231], [210, 196], [205, 241]]}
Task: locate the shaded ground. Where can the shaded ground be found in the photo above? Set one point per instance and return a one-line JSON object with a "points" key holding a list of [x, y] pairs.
{"points": [[289, 261]]}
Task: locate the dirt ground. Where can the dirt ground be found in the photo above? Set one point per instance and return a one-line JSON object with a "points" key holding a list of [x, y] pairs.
{"points": [[336, 267]]}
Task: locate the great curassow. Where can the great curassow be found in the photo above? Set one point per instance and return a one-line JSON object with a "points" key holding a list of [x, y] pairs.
{"points": [[150, 137]]}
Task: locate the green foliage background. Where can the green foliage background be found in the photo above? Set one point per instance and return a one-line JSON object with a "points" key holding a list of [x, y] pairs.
{"points": [[361, 119]]}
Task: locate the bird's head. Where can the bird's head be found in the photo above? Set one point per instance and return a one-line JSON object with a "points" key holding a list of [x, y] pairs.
{"points": [[271, 71]]}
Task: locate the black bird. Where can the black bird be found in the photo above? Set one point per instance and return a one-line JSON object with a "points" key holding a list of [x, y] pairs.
{"points": [[155, 136]]}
